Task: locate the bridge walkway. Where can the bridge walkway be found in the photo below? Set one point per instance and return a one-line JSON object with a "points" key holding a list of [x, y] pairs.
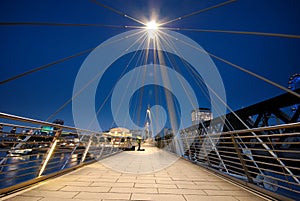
{"points": [[152, 174]]}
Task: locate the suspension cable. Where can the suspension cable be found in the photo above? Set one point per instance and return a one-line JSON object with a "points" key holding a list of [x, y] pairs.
{"points": [[197, 12], [46, 66], [235, 32], [241, 68], [84, 87], [257, 137], [118, 12], [65, 24]]}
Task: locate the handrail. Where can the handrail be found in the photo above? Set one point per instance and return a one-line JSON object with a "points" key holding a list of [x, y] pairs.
{"points": [[268, 128], [29, 156], [28, 120], [269, 164]]}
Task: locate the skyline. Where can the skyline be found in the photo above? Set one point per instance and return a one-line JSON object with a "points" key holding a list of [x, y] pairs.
{"points": [[43, 92]]}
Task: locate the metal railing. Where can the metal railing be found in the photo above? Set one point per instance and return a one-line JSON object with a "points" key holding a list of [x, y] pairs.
{"points": [[266, 158], [32, 150]]}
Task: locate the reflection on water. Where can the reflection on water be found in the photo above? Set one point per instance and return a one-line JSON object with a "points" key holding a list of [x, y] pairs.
{"points": [[19, 168]]}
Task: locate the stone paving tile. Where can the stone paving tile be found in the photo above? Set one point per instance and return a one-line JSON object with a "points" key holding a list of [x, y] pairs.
{"points": [[53, 194], [145, 178], [113, 174], [175, 182], [87, 177], [249, 198], [155, 186], [69, 178], [68, 199], [83, 171], [203, 187], [181, 191], [120, 184], [98, 180], [227, 192], [161, 174], [51, 187], [99, 189], [128, 177], [88, 195], [114, 200], [70, 183], [134, 190], [157, 197], [145, 181], [210, 198], [188, 179], [159, 180], [145, 175], [24, 198], [226, 186]]}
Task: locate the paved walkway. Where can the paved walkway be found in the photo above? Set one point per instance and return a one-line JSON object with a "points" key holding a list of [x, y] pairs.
{"points": [[148, 175]]}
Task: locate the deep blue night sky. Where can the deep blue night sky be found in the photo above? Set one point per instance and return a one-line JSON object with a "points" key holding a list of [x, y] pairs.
{"points": [[40, 94]]}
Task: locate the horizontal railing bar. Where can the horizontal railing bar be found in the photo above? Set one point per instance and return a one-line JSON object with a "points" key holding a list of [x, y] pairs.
{"points": [[270, 170], [18, 176], [236, 172], [270, 157], [227, 152], [268, 128], [221, 135], [28, 120], [27, 155], [277, 179], [253, 137], [36, 157], [4, 172], [20, 163], [273, 164], [275, 150], [264, 150], [281, 180], [18, 170], [280, 186], [18, 126], [53, 167], [231, 162]]}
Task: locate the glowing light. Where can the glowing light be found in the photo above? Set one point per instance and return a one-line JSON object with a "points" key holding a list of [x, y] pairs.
{"points": [[152, 28], [152, 25]]}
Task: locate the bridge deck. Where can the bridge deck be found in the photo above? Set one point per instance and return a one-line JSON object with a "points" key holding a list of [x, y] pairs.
{"points": [[132, 176]]}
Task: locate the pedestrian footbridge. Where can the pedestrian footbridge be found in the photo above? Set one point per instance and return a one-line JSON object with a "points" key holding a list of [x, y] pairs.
{"points": [[48, 161], [136, 178]]}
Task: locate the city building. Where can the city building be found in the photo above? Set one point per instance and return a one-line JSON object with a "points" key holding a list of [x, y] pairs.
{"points": [[118, 133], [201, 115]]}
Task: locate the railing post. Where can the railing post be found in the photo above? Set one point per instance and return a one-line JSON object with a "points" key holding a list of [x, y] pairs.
{"points": [[216, 150], [202, 146], [49, 152], [70, 156], [241, 159], [188, 147], [86, 149], [101, 152], [111, 150]]}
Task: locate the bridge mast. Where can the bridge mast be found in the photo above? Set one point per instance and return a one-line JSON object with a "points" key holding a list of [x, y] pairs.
{"points": [[148, 133]]}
